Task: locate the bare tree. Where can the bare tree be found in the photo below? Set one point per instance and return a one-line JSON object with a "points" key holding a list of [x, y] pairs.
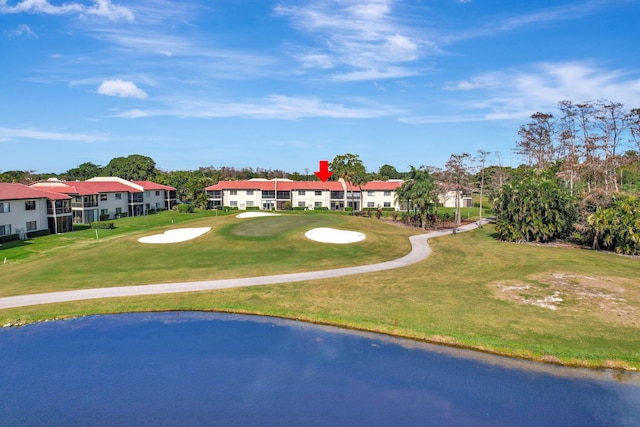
{"points": [[482, 159], [536, 140], [612, 121], [456, 178]]}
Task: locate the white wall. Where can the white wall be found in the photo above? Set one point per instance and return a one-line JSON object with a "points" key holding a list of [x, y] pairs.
{"points": [[18, 215]]}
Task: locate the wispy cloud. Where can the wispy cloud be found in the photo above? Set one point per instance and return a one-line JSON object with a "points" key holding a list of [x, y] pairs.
{"points": [[274, 107], [20, 30], [517, 93], [12, 133], [361, 36], [121, 88], [101, 8]]}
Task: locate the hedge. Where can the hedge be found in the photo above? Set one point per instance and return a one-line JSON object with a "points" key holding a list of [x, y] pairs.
{"points": [[103, 225], [9, 238], [253, 208], [38, 233], [185, 208]]}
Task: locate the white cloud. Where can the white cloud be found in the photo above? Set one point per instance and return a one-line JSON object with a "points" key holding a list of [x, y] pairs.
{"points": [[121, 88], [102, 8], [362, 36], [9, 133], [517, 93], [20, 30], [274, 107]]}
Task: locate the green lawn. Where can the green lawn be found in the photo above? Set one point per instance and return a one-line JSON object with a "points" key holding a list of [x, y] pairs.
{"points": [[474, 291]]}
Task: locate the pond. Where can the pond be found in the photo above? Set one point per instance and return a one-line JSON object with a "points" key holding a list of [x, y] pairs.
{"points": [[186, 368]]}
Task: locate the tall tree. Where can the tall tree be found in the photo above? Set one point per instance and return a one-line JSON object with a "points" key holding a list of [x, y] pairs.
{"points": [[536, 140], [419, 190], [83, 172], [456, 178], [387, 172], [612, 121], [482, 160], [350, 168], [135, 167]]}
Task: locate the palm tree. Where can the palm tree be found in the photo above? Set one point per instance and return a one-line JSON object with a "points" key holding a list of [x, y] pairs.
{"points": [[419, 190]]}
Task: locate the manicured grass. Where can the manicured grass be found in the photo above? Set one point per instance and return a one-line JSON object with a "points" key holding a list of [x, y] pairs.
{"points": [[234, 248], [454, 297]]}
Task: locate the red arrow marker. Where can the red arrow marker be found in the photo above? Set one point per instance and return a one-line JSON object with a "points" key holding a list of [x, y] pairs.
{"points": [[324, 173]]}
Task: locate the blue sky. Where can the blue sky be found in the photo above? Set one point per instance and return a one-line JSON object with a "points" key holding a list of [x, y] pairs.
{"points": [[284, 84]]}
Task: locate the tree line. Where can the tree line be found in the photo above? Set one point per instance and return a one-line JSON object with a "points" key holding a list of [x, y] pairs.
{"points": [[581, 179]]}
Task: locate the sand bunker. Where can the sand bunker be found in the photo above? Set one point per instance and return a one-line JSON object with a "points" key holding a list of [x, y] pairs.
{"points": [[331, 235], [255, 214], [175, 236]]}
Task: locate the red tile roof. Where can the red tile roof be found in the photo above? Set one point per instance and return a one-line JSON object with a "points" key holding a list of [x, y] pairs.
{"points": [[286, 185], [381, 185], [14, 191], [243, 185], [309, 185], [84, 188], [150, 185]]}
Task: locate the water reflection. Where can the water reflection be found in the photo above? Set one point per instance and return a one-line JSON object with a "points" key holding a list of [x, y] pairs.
{"points": [[201, 368]]}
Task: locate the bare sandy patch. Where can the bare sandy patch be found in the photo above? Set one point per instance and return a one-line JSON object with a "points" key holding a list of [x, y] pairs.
{"points": [[331, 235], [612, 299], [255, 214], [175, 236]]}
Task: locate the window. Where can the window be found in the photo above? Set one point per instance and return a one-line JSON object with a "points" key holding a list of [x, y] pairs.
{"points": [[318, 204], [249, 203], [146, 194], [5, 229], [301, 204], [30, 205], [32, 225], [301, 193], [118, 211], [371, 204], [387, 193], [318, 193], [118, 196], [103, 197], [249, 193], [233, 193], [104, 211], [387, 204], [157, 192], [233, 203], [4, 207], [371, 193]]}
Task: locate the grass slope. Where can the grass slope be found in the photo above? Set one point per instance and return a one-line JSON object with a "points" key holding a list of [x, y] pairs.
{"points": [[455, 297]]}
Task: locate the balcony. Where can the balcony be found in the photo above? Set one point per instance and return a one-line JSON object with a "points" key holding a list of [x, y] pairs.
{"points": [[84, 204], [59, 211]]}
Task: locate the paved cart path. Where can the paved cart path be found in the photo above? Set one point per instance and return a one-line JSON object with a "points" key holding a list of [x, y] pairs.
{"points": [[420, 250]]}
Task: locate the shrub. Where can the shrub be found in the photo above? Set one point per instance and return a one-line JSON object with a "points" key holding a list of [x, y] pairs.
{"points": [[299, 208], [535, 209], [253, 208], [184, 208], [287, 205], [9, 238], [321, 208], [348, 209], [103, 225], [39, 233], [230, 208], [104, 217]]}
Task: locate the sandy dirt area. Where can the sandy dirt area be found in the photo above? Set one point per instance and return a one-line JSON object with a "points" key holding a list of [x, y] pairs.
{"points": [[255, 214], [331, 235], [175, 236]]}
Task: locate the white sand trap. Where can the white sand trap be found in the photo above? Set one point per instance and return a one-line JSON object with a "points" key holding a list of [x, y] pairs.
{"points": [[255, 214], [175, 236], [331, 235]]}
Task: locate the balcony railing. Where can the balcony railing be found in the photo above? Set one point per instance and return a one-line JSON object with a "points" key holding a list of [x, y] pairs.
{"points": [[59, 211], [84, 204]]}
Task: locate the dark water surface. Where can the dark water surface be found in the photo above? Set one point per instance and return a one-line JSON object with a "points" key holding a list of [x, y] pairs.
{"points": [[216, 369]]}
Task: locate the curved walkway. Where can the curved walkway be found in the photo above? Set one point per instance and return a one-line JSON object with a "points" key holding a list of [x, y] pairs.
{"points": [[420, 250]]}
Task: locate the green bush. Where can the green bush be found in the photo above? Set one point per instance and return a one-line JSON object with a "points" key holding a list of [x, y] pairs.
{"points": [[39, 233], [287, 205], [103, 225], [299, 208], [534, 209], [184, 208], [321, 208], [253, 208], [230, 208], [9, 238], [104, 217], [348, 209]]}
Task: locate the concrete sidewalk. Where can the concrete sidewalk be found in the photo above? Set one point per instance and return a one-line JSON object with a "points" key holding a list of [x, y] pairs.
{"points": [[420, 250]]}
